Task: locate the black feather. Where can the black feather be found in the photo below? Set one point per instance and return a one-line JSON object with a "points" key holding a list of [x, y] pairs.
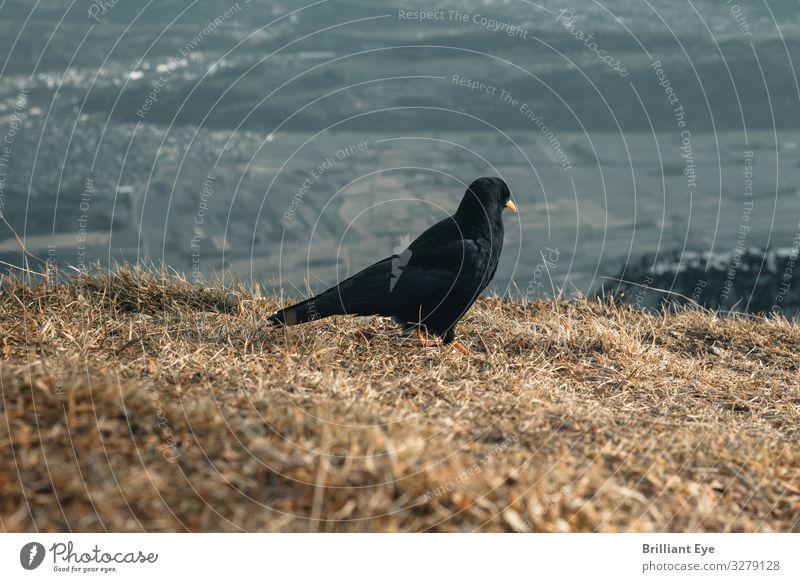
{"points": [[433, 282]]}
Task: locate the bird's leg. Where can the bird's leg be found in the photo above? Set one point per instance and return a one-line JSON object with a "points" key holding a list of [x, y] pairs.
{"points": [[423, 339], [461, 348], [430, 343], [450, 338]]}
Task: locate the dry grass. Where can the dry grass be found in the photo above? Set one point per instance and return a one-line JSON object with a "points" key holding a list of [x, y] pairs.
{"points": [[140, 402]]}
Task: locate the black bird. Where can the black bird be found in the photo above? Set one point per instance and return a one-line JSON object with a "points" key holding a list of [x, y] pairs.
{"points": [[433, 282]]}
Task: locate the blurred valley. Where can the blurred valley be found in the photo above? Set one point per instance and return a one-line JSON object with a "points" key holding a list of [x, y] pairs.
{"points": [[291, 145]]}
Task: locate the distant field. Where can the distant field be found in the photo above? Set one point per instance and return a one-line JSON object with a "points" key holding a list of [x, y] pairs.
{"points": [[141, 402]]}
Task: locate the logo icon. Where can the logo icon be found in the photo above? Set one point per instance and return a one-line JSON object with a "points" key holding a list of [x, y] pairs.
{"points": [[31, 555]]}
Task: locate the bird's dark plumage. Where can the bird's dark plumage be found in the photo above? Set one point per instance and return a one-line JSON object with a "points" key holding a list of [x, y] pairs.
{"points": [[435, 280]]}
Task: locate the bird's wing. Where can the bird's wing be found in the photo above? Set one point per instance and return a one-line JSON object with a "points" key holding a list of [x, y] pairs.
{"points": [[426, 274]]}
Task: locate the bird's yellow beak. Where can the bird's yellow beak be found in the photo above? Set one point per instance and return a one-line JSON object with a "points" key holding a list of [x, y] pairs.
{"points": [[510, 204]]}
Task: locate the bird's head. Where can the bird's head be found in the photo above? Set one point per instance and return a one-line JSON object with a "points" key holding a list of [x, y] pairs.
{"points": [[486, 197]]}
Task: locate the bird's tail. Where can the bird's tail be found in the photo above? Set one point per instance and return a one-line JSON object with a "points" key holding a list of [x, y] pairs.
{"points": [[315, 308]]}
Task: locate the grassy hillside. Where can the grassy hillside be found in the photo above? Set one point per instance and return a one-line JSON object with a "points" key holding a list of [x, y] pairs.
{"points": [[139, 402]]}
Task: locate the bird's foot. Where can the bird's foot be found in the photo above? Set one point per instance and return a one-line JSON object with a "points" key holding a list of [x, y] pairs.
{"points": [[423, 339], [427, 343], [461, 348]]}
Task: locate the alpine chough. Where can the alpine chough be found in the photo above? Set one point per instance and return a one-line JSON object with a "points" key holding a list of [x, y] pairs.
{"points": [[431, 284]]}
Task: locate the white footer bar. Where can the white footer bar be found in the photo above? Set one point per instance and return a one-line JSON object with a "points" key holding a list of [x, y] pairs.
{"points": [[353, 557]]}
